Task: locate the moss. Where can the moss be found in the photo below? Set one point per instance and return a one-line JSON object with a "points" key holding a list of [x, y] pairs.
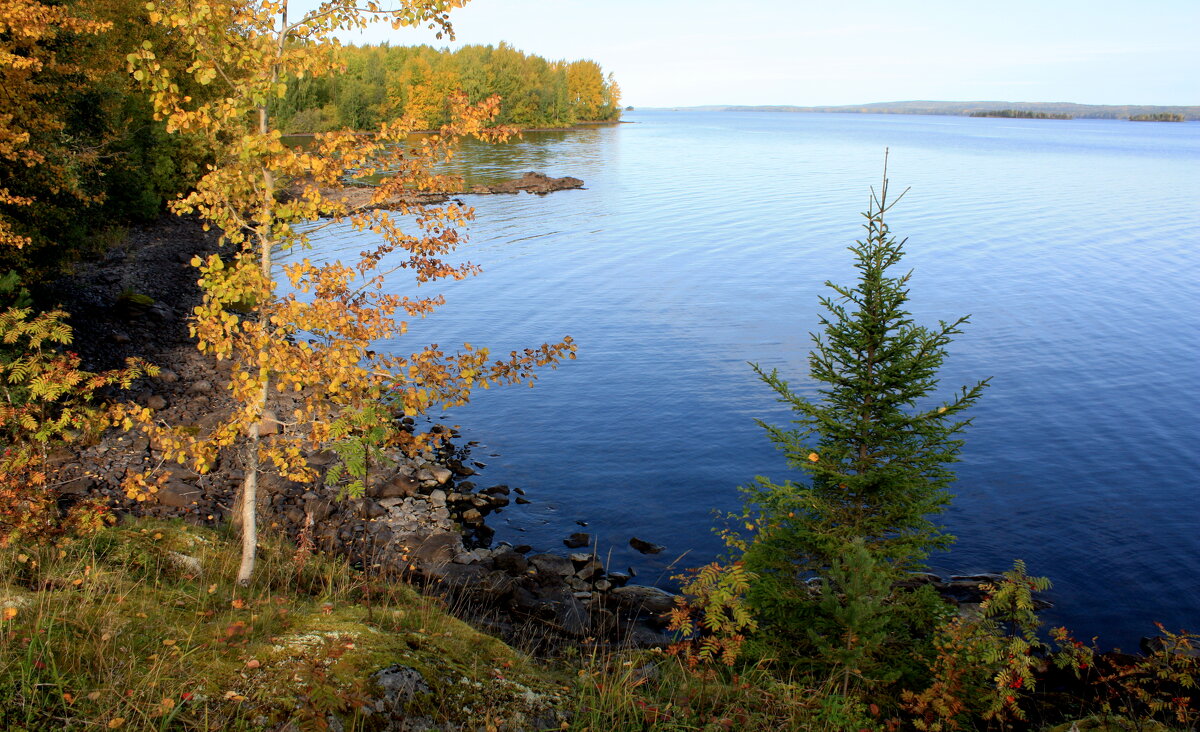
{"points": [[113, 627]]}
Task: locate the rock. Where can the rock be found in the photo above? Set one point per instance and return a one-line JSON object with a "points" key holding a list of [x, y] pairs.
{"points": [[398, 487], [461, 575], [497, 584], [511, 562], [431, 550], [167, 376], [200, 387], [641, 597], [320, 508], [522, 501], [578, 539], [590, 569], [579, 557], [618, 578], [641, 636], [441, 474], [269, 424], [603, 585], [645, 547], [471, 557], [552, 564], [370, 509], [186, 564], [397, 686], [276, 483], [156, 402], [572, 616], [472, 516], [497, 490], [179, 495], [977, 578], [321, 458], [437, 497], [532, 182]]}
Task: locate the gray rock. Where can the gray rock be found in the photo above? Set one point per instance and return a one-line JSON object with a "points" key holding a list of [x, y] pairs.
{"points": [[572, 616], [511, 562], [431, 550], [397, 686], [578, 539], [320, 508], [590, 569], [186, 564], [269, 424], [552, 564], [399, 486], [645, 547], [200, 387], [641, 597], [179, 495]]}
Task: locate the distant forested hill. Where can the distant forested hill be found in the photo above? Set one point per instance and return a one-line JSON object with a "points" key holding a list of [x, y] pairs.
{"points": [[386, 82], [1087, 111]]}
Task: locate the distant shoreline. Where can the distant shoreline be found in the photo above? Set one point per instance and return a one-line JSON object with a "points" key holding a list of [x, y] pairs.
{"points": [[585, 125], [965, 109]]}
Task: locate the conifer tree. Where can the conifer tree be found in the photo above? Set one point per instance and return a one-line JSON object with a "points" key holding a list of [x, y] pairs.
{"points": [[875, 449]]}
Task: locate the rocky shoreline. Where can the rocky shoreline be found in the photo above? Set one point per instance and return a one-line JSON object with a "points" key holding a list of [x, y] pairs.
{"points": [[362, 196], [422, 518]]}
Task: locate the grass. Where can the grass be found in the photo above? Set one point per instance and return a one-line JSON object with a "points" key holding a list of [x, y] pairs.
{"points": [[142, 627]]}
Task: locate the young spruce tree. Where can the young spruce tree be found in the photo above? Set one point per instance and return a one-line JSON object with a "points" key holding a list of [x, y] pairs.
{"points": [[877, 455]]}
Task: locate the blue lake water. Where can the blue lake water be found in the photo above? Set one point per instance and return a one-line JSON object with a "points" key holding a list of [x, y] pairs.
{"points": [[702, 242]]}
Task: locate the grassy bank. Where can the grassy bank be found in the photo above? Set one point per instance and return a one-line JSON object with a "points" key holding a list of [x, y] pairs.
{"points": [[142, 627]]}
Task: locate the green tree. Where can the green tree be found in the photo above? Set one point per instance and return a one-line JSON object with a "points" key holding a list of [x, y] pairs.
{"points": [[876, 451]]}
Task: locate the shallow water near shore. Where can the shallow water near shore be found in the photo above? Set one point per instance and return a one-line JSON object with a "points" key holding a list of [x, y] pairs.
{"points": [[702, 242]]}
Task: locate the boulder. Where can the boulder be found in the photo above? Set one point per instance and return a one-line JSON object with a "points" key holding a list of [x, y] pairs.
{"points": [[645, 547], [641, 597], [179, 495], [511, 562], [397, 686], [552, 564], [398, 487], [577, 540]]}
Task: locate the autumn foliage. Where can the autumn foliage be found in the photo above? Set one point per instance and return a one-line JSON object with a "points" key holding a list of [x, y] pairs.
{"points": [[311, 347]]}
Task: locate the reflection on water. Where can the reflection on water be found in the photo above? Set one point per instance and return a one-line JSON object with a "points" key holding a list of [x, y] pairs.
{"points": [[703, 240]]}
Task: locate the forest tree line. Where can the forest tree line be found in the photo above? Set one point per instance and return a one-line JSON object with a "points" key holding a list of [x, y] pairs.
{"points": [[82, 154], [383, 82]]}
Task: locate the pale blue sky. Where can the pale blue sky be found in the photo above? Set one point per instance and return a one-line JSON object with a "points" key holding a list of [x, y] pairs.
{"points": [[677, 53]]}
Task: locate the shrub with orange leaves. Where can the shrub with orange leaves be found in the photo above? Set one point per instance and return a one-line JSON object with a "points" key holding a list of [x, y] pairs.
{"points": [[45, 398]]}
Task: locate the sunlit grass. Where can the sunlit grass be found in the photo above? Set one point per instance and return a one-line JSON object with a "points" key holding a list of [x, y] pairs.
{"points": [[143, 627]]}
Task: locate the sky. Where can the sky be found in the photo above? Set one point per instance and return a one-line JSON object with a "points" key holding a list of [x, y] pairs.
{"points": [[667, 53]]}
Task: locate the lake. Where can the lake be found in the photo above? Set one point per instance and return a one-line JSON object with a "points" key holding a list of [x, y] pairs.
{"points": [[702, 242]]}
